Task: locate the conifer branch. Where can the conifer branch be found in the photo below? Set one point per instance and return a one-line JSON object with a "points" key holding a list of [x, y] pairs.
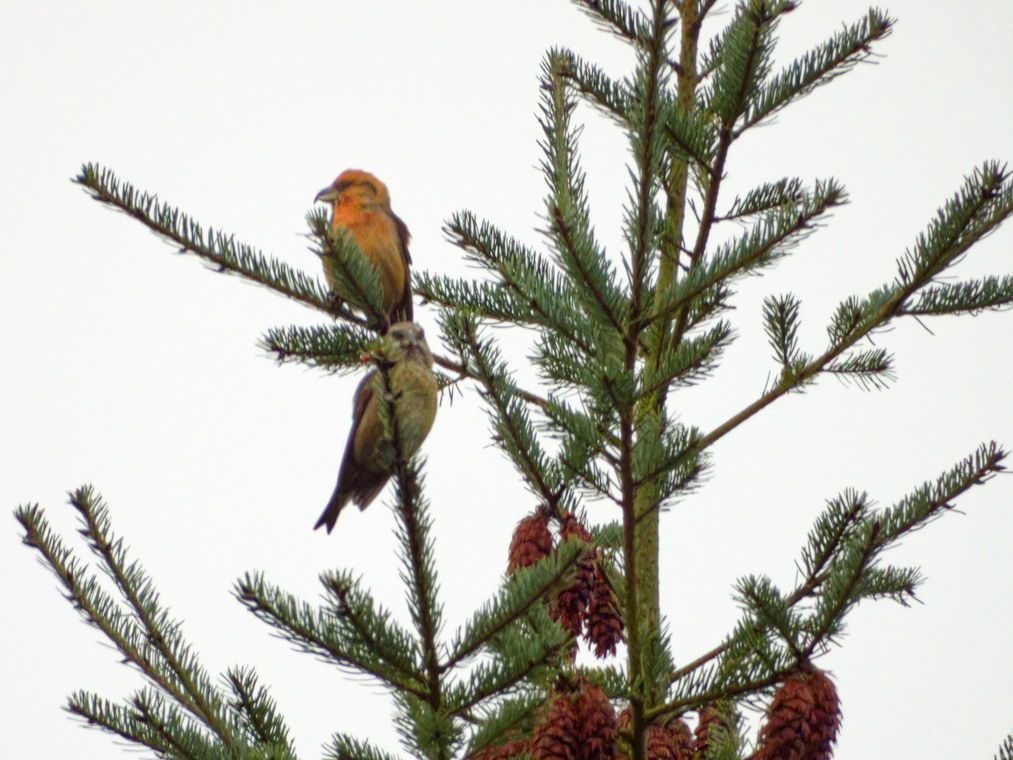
{"points": [[820, 66], [692, 361], [620, 19], [497, 302], [358, 280], [693, 138], [258, 714], [1006, 750], [525, 588], [765, 198], [373, 627], [747, 38], [172, 716], [331, 636], [189, 684], [148, 721], [844, 544], [343, 747], [566, 236], [420, 575], [577, 250], [504, 717], [972, 297], [837, 592], [537, 284], [336, 348], [983, 203], [596, 87], [761, 246], [217, 248], [647, 123], [515, 434]]}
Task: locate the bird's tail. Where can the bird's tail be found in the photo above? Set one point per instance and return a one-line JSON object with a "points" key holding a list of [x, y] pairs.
{"points": [[330, 516]]}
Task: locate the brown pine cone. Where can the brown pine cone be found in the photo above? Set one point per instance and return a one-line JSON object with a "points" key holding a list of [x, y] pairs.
{"points": [[531, 540], [604, 626], [712, 716], [597, 722], [672, 741], [557, 737], [803, 719], [570, 604], [669, 741]]}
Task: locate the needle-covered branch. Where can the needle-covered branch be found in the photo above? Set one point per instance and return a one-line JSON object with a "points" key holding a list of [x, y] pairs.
{"points": [[786, 192], [216, 247], [978, 209], [525, 588], [332, 634], [764, 244], [343, 747], [373, 625], [543, 296], [841, 563], [184, 714], [357, 282], [337, 348], [972, 297], [612, 98], [515, 433], [620, 19], [257, 712], [577, 251], [504, 718], [147, 720], [818, 67]]}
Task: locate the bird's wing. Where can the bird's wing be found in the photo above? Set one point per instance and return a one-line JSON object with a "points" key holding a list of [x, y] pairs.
{"points": [[347, 486], [404, 309], [361, 399], [404, 236]]}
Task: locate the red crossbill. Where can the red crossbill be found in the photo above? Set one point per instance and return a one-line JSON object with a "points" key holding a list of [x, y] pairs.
{"points": [[370, 456], [362, 207]]}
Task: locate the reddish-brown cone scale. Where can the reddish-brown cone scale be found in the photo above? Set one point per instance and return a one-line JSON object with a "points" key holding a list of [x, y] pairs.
{"points": [[501, 751], [597, 723], [531, 540], [603, 625], [557, 737], [803, 719]]}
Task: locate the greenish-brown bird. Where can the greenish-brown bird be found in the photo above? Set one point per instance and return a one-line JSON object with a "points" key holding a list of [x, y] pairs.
{"points": [[361, 206], [370, 455]]}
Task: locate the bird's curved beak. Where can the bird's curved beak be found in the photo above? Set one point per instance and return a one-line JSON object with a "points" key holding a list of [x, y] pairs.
{"points": [[329, 194]]}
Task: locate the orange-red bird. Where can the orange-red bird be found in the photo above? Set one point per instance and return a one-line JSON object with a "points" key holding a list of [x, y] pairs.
{"points": [[362, 206]]}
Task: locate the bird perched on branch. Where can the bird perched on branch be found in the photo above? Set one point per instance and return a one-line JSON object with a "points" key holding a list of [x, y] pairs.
{"points": [[404, 379], [361, 206]]}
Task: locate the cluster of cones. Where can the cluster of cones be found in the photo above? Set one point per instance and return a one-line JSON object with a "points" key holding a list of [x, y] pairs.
{"points": [[578, 722], [588, 606]]}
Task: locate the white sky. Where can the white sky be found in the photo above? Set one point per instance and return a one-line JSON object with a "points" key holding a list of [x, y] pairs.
{"points": [[136, 370]]}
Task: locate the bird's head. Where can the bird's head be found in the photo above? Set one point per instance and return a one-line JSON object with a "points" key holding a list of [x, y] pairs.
{"points": [[353, 185], [411, 339]]}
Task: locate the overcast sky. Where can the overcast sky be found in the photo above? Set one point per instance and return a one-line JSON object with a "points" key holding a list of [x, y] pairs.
{"points": [[135, 369]]}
